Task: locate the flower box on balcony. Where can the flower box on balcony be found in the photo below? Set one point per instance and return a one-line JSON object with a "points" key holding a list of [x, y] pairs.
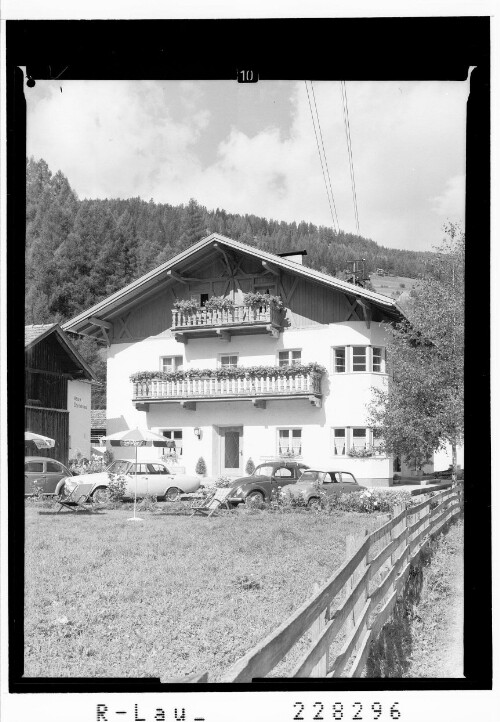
{"points": [[256, 383]]}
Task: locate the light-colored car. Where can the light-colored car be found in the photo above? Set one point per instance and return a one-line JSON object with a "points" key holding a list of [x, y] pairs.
{"points": [[42, 475], [315, 481], [154, 478]]}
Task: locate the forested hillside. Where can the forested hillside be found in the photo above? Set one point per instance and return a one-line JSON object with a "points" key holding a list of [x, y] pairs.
{"points": [[78, 251]]}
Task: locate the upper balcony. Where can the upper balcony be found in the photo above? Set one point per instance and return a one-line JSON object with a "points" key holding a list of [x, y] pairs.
{"points": [[257, 385], [204, 322]]}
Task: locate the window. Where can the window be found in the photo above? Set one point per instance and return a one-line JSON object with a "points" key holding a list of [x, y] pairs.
{"points": [[174, 435], [141, 469], [359, 358], [378, 360], [290, 442], [271, 290], [339, 360], [290, 358], [53, 467], [203, 299], [157, 469], [170, 363], [229, 361], [347, 478], [34, 466], [283, 472], [377, 442], [339, 442], [358, 439]]}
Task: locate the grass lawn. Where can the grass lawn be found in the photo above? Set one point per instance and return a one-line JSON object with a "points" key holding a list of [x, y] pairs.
{"points": [[105, 597]]}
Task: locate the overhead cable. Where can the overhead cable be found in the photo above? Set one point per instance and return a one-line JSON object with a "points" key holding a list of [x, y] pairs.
{"points": [[349, 151], [321, 158]]}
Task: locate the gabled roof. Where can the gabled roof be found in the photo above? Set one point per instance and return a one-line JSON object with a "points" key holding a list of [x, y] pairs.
{"points": [[146, 285], [35, 334]]}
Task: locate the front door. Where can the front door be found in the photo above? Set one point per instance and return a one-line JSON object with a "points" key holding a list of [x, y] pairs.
{"points": [[231, 450]]}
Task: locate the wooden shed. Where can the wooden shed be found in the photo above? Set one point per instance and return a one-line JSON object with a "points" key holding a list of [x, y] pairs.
{"points": [[51, 361]]}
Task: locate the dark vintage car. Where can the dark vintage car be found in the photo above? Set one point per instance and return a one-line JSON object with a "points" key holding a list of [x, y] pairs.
{"points": [[267, 477], [313, 482], [42, 475]]}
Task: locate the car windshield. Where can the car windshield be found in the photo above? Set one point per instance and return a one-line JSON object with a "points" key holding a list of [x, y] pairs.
{"points": [[310, 476], [118, 467], [264, 471]]}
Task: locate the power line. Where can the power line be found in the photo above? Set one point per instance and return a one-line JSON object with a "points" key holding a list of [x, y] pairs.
{"points": [[320, 156], [324, 153], [349, 151]]}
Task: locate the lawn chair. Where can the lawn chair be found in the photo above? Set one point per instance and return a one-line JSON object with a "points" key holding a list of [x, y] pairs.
{"points": [[210, 505], [77, 498]]}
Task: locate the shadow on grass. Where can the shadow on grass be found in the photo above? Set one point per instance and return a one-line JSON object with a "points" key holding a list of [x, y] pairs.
{"points": [[82, 512], [390, 654]]}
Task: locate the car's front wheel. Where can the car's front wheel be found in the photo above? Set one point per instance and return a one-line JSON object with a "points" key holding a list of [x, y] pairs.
{"points": [[172, 494], [101, 495]]}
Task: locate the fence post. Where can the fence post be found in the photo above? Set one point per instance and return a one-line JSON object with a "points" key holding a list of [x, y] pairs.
{"points": [[320, 669], [353, 542]]}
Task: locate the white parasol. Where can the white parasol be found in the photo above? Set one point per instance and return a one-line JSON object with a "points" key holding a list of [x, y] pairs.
{"points": [[41, 442], [136, 437]]}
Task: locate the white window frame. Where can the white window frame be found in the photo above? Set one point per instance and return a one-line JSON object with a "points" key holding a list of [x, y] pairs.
{"points": [[176, 365], [346, 359], [290, 430], [178, 449], [382, 360], [360, 371], [379, 440], [290, 352], [228, 355], [367, 436], [346, 439]]}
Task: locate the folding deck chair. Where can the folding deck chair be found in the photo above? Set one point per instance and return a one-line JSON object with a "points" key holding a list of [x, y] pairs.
{"points": [[212, 504], [77, 498]]}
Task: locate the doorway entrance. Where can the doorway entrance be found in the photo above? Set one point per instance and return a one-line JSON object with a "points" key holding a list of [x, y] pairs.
{"points": [[231, 449]]}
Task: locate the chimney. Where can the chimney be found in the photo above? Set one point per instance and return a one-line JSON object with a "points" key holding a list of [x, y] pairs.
{"points": [[295, 256]]}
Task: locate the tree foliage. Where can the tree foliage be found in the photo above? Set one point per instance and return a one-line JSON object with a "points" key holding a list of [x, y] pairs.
{"points": [[422, 408]]}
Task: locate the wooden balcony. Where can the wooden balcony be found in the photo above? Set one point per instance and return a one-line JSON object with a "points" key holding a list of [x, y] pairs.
{"points": [[223, 323], [256, 389]]}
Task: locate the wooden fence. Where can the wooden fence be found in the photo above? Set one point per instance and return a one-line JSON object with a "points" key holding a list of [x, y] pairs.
{"points": [[348, 611]]}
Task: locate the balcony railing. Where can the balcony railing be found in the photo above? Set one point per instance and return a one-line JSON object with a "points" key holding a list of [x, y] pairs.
{"points": [[238, 318], [207, 388]]}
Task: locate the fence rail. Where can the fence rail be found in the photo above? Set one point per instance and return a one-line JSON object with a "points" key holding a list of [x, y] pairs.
{"points": [[351, 608], [268, 385], [237, 315]]}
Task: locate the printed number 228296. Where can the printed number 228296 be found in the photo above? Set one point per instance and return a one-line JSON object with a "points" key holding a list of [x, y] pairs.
{"points": [[338, 711]]}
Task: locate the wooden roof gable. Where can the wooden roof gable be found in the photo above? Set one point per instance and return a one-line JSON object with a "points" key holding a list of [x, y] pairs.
{"points": [[76, 365], [181, 267]]}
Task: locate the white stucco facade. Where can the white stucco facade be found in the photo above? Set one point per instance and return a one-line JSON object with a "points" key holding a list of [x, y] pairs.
{"points": [[79, 404], [344, 400]]}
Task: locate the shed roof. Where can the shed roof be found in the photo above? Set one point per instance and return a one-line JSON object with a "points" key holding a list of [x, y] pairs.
{"points": [[36, 333]]}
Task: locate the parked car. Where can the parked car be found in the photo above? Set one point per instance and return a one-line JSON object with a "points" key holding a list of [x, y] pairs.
{"points": [[153, 477], [42, 475], [266, 478], [314, 481]]}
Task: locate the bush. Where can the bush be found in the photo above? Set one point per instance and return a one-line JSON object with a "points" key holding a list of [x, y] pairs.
{"points": [[117, 485], [201, 467], [81, 465], [219, 303], [371, 500], [223, 482], [250, 467]]}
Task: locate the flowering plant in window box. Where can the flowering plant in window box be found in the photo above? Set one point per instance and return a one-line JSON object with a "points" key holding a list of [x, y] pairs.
{"points": [[219, 303], [290, 454], [257, 299], [187, 305], [361, 453], [313, 369]]}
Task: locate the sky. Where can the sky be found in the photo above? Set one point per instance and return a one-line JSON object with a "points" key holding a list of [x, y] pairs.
{"points": [[251, 148]]}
